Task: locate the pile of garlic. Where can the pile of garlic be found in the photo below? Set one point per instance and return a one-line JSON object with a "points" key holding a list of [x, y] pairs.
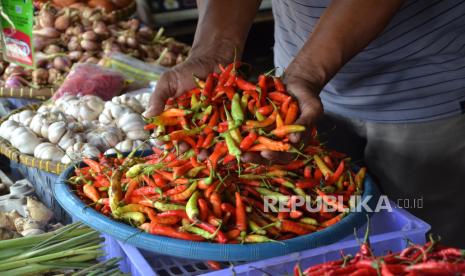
{"points": [[74, 127]]}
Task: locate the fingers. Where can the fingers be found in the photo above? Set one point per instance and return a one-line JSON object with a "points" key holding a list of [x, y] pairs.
{"points": [[277, 157], [311, 109], [254, 158], [164, 89]]}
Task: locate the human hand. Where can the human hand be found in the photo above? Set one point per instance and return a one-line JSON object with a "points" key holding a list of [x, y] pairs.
{"points": [[311, 108], [179, 80]]}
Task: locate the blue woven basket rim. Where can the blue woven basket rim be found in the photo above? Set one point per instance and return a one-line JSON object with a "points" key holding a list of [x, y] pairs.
{"points": [[206, 250]]}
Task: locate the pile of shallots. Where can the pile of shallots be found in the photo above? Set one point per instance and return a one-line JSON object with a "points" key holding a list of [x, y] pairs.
{"points": [[67, 36]]}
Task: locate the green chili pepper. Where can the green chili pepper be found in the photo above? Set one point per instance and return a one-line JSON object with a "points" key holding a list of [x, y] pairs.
{"points": [[257, 239], [196, 230], [233, 130], [310, 221], [115, 193], [134, 217], [195, 171], [167, 206], [232, 147], [236, 110], [272, 194], [255, 228], [209, 179], [259, 116], [244, 101], [192, 209], [195, 104]]}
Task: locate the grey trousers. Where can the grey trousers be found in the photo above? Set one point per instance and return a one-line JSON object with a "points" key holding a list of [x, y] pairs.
{"points": [[410, 162]]}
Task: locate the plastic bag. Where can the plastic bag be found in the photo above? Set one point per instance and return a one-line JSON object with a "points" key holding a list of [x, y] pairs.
{"points": [[137, 72], [91, 79]]}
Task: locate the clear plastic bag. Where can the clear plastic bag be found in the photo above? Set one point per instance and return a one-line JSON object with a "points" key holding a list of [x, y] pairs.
{"points": [[91, 79]]}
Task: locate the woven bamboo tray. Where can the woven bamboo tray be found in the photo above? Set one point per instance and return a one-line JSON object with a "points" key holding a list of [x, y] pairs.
{"points": [[27, 93], [30, 161]]}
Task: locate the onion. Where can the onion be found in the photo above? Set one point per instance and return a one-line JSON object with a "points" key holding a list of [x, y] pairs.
{"points": [[46, 17], [47, 32], [145, 33], [132, 42], [121, 40], [52, 49], [14, 70], [63, 22], [75, 55], [73, 44], [78, 29], [89, 35], [93, 60], [89, 45], [14, 81], [100, 28], [53, 75], [61, 63], [41, 42], [40, 76]]}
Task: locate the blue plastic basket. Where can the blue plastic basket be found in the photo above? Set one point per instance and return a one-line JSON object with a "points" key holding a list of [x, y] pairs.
{"points": [[204, 250], [389, 231]]}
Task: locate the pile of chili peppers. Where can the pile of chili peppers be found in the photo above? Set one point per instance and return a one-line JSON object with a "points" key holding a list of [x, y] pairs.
{"points": [[218, 198], [431, 258]]}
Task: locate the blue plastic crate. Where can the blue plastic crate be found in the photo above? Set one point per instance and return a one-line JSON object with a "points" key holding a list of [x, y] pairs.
{"points": [[388, 231]]}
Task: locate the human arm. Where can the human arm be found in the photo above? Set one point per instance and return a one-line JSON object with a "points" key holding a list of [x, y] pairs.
{"points": [[221, 32]]}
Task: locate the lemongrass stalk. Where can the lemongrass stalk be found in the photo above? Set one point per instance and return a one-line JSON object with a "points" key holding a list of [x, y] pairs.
{"points": [[110, 272], [107, 263], [22, 262], [71, 243], [58, 233], [31, 241], [29, 270]]}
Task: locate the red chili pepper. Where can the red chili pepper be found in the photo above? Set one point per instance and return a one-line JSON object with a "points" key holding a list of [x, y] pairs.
{"points": [[261, 124], [248, 141], [219, 151], [241, 215], [175, 112], [233, 234], [90, 192], [287, 129], [208, 89], [337, 173], [266, 110], [179, 213], [172, 232], [146, 190], [132, 185], [208, 140], [220, 236], [291, 114], [263, 89], [228, 158], [159, 180], [212, 122], [166, 220], [268, 144], [244, 85], [278, 96], [214, 265], [176, 190], [203, 208], [278, 84], [94, 165], [215, 200], [333, 220], [180, 171]]}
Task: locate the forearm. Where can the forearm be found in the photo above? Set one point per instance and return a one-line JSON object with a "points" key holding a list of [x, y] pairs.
{"points": [[223, 26], [344, 29]]}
